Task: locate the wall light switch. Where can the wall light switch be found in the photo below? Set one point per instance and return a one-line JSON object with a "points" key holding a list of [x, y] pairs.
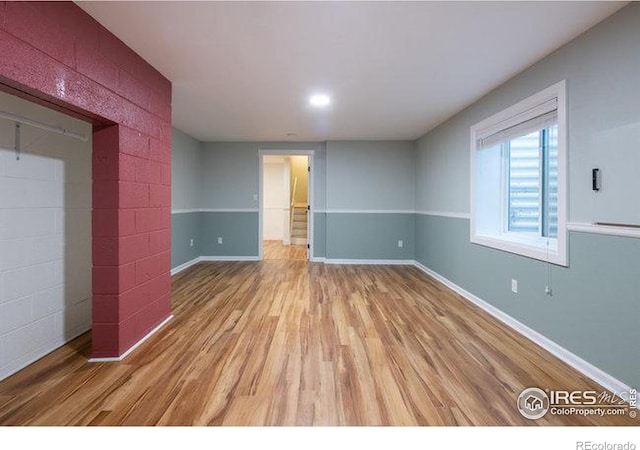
{"points": [[191, 243], [255, 197], [514, 286], [400, 244], [219, 240]]}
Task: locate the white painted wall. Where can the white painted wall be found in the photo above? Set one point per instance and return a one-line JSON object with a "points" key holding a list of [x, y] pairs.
{"points": [[45, 236], [276, 198]]}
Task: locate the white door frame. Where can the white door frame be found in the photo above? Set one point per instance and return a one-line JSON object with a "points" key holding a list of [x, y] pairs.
{"points": [[308, 153]]}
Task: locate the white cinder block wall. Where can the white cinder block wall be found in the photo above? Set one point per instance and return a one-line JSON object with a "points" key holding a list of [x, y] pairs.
{"points": [[45, 236]]}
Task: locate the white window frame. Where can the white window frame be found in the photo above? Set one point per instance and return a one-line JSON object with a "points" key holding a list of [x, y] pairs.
{"points": [[537, 247]]}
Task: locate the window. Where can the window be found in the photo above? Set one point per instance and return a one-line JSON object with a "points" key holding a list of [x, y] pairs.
{"points": [[518, 182]]}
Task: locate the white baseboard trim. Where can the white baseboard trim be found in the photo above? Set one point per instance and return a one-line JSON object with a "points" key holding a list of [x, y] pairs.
{"points": [[599, 376], [184, 266], [200, 259], [318, 259], [134, 346], [229, 258], [380, 262]]}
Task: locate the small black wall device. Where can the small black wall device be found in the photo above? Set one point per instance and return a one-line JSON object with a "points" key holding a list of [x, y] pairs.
{"points": [[595, 179]]}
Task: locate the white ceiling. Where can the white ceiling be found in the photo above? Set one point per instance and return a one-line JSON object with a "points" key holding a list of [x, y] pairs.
{"points": [[245, 70]]}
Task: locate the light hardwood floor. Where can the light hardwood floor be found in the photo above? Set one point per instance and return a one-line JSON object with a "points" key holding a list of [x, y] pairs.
{"points": [[277, 250], [297, 343]]}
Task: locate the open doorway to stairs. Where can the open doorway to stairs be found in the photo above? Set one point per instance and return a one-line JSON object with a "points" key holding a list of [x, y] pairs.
{"points": [[285, 206]]}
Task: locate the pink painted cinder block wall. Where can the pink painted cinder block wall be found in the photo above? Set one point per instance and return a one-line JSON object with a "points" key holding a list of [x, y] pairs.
{"points": [[57, 55]]}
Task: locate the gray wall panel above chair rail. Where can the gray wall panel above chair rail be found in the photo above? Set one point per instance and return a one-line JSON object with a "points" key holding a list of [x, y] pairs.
{"points": [[230, 169], [600, 68], [370, 175], [186, 172]]}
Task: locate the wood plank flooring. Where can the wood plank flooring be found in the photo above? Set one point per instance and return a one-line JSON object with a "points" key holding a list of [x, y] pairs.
{"points": [[277, 250], [296, 343]]}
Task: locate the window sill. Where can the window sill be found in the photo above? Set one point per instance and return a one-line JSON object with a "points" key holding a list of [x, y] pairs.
{"points": [[530, 248]]}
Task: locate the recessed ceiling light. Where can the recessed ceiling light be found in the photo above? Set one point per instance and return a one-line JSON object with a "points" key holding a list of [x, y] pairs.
{"points": [[319, 100]]}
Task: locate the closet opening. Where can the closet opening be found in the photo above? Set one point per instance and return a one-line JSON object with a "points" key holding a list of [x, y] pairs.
{"points": [[45, 230]]}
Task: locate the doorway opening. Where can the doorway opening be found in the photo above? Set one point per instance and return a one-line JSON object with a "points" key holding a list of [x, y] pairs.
{"points": [[285, 206]]}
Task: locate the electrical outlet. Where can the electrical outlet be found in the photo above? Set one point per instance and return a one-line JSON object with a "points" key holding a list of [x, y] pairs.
{"points": [[191, 243], [255, 197], [514, 286], [548, 291], [400, 244], [219, 240]]}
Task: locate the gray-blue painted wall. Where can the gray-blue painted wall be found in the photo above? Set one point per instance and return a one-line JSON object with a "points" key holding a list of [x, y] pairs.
{"points": [[184, 228], [185, 195], [230, 172], [601, 70], [369, 189], [320, 235], [370, 175], [370, 236], [595, 305], [238, 230], [186, 175], [595, 308]]}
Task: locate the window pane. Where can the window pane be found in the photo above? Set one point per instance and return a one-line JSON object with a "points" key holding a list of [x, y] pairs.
{"points": [[533, 183], [525, 184], [551, 183]]}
